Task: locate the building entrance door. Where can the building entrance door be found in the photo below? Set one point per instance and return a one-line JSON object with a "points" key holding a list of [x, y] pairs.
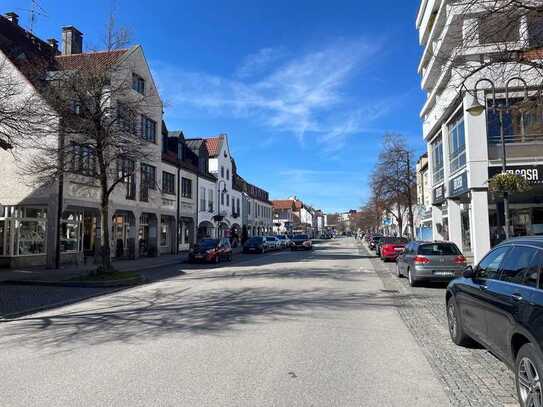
{"points": [[143, 235], [2, 237], [89, 234], [466, 236], [120, 231]]}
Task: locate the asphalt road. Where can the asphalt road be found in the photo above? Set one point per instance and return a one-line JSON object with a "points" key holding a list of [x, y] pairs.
{"points": [[284, 329]]}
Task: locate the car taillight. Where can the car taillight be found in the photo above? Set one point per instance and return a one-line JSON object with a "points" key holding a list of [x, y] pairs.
{"points": [[460, 260], [422, 260]]}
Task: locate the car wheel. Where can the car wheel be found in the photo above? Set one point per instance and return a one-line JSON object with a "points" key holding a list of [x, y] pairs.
{"points": [[528, 376], [398, 271], [411, 278], [456, 329]]}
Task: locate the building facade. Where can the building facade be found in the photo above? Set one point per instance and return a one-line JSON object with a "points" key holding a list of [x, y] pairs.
{"points": [[464, 149]]}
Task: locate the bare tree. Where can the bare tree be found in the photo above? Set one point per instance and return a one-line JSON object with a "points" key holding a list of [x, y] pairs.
{"points": [[21, 114], [99, 140], [393, 180]]}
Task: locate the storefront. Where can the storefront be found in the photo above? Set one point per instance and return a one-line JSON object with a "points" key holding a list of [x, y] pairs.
{"points": [[526, 208]]}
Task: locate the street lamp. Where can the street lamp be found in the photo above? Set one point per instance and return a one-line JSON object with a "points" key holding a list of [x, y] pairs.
{"points": [[477, 108], [224, 191]]}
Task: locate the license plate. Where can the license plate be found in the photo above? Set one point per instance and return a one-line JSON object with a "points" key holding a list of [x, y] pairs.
{"points": [[443, 273], [398, 249], [198, 256], [252, 249]]}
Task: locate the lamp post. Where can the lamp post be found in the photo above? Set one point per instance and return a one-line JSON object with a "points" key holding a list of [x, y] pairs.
{"points": [[477, 108], [219, 197]]}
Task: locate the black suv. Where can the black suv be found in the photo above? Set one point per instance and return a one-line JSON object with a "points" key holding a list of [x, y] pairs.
{"points": [[499, 303]]}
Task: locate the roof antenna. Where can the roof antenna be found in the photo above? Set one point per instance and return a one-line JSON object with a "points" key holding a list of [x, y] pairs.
{"points": [[36, 10]]}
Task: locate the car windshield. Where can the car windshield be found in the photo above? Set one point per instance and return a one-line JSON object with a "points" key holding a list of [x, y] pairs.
{"points": [[394, 240], [208, 243], [439, 249], [301, 237]]}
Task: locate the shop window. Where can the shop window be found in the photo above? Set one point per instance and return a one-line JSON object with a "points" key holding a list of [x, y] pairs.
{"points": [[70, 227], [30, 237], [519, 125]]}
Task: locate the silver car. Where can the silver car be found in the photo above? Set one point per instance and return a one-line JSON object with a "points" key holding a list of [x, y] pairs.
{"points": [[273, 243], [430, 261]]}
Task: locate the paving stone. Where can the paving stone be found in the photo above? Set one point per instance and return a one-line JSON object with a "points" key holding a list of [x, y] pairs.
{"points": [[470, 377]]}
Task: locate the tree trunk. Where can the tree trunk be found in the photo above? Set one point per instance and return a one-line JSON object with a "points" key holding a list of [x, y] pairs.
{"points": [[105, 250], [400, 221]]}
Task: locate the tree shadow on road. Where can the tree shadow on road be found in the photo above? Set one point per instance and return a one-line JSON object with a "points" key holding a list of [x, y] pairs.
{"points": [[145, 314]]}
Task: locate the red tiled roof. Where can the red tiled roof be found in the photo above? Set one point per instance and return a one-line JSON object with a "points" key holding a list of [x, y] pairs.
{"points": [[103, 59], [283, 204], [213, 145]]}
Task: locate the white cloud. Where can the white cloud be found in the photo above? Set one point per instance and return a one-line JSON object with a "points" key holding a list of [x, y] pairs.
{"points": [[259, 62], [305, 94]]}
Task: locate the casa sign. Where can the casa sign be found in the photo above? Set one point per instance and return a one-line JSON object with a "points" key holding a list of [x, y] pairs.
{"points": [[532, 173]]}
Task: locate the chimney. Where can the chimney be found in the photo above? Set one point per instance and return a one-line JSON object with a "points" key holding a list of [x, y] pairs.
{"points": [[53, 43], [72, 40], [13, 17]]}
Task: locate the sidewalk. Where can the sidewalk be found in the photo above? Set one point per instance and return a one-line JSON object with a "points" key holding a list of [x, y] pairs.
{"points": [[71, 271]]}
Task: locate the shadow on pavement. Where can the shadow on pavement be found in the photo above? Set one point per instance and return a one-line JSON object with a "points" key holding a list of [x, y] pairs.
{"points": [[151, 314]]}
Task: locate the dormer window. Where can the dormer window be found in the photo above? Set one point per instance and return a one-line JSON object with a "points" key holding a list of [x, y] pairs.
{"points": [[138, 83]]}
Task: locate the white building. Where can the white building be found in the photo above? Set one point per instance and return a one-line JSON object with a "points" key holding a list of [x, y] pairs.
{"points": [[463, 148], [143, 214]]}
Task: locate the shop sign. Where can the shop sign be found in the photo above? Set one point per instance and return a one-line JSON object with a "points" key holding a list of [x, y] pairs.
{"points": [[531, 173], [458, 185], [438, 195]]}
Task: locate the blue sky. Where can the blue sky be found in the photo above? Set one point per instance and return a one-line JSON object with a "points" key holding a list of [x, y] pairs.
{"points": [[304, 89]]}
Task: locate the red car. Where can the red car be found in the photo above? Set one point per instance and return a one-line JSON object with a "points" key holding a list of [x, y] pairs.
{"points": [[391, 247], [211, 251]]}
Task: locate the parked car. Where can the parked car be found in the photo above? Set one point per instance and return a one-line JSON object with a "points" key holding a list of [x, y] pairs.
{"points": [[211, 250], [430, 261], [285, 241], [273, 242], [301, 242], [391, 247], [374, 242], [499, 303], [256, 244]]}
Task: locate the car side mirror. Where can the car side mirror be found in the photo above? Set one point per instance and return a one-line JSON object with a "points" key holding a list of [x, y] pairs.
{"points": [[469, 272]]}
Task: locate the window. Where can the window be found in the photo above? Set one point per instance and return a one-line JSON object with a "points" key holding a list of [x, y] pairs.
{"points": [[138, 83], [227, 199], [211, 202], [186, 188], [222, 172], [436, 249], [227, 174], [168, 183], [148, 181], [437, 160], [237, 205], [535, 29], [83, 160], [202, 199], [518, 264], [125, 172], [148, 128], [126, 117], [222, 198], [457, 143], [499, 27], [489, 266]]}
